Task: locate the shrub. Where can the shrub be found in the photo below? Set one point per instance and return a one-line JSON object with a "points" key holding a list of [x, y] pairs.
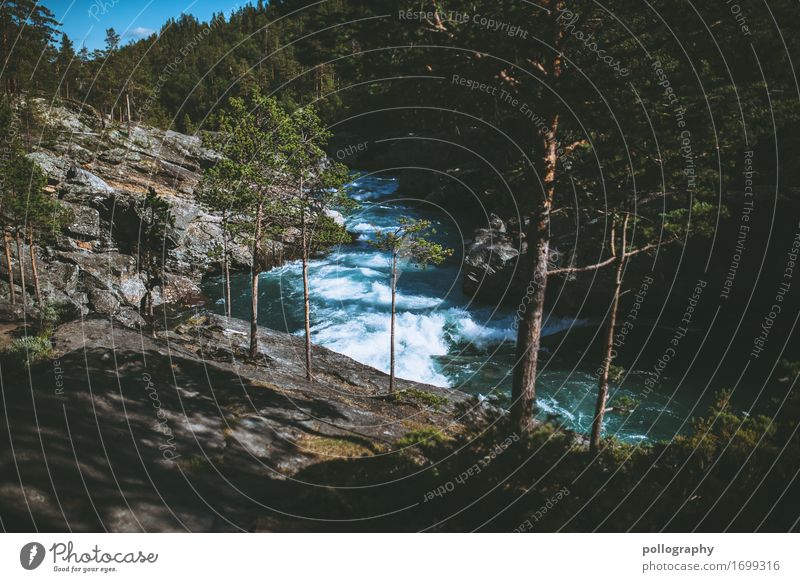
{"points": [[197, 464], [625, 404], [53, 313], [417, 396], [24, 352], [789, 369], [422, 437], [616, 373]]}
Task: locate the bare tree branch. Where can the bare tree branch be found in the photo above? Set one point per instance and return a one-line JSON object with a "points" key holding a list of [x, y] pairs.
{"points": [[569, 270], [645, 248]]}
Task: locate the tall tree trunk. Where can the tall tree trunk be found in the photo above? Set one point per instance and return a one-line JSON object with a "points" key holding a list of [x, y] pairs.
{"points": [[228, 305], [602, 385], [7, 245], [306, 301], [392, 324], [150, 311], [150, 285], [226, 272], [254, 283], [21, 261], [307, 310], [254, 313], [128, 105], [523, 388], [34, 269]]}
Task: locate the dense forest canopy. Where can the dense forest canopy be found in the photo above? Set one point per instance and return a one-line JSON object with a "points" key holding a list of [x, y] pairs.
{"points": [[383, 64]]}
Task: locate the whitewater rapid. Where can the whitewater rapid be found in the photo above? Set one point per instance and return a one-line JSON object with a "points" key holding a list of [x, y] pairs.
{"points": [[352, 296]]}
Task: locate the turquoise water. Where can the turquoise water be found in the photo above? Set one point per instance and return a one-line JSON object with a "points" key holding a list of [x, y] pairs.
{"points": [[442, 338]]}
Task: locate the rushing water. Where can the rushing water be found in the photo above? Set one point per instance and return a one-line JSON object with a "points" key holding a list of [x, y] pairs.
{"points": [[442, 338]]}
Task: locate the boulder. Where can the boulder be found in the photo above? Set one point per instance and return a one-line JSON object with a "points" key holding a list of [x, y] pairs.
{"points": [[61, 276], [55, 168], [181, 290], [88, 180], [9, 312], [85, 220], [130, 318], [492, 263], [117, 156], [133, 289], [103, 302], [335, 215], [190, 147]]}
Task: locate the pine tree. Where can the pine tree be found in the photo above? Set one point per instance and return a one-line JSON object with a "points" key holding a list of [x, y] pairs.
{"points": [[65, 66], [26, 32], [157, 218], [8, 151], [220, 192], [46, 219], [654, 230], [409, 241], [318, 185], [107, 77], [21, 188], [253, 137]]}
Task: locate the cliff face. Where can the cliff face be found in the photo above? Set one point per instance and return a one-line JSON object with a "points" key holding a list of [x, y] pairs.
{"points": [[100, 173]]}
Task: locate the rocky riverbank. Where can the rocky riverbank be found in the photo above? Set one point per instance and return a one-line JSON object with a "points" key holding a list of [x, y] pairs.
{"points": [[181, 432]]}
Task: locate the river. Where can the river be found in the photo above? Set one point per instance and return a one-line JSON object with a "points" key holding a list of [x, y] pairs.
{"points": [[442, 337]]}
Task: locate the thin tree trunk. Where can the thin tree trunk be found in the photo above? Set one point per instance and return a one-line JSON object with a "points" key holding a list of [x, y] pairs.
{"points": [[34, 269], [21, 260], [254, 284], [254, 314], [391, 329], [307, 309], [306, 301], [7, 245], [128, 104], [602, 387], [226, 270], [228, 306], [150, 311]]}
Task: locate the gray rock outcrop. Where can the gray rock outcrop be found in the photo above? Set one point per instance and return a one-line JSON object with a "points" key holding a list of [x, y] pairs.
{"points": [[101, 174]]}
